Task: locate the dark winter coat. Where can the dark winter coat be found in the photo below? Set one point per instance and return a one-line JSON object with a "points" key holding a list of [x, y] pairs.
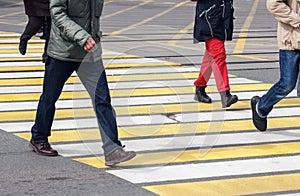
{"points": [[214, 18], [37, 7]]}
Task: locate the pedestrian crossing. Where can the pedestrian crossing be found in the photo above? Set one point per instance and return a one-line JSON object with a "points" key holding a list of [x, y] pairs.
{"points": [[183, 147]]}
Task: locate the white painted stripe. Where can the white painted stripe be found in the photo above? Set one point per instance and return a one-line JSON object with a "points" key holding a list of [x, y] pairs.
{"points": [[154, 70], [32, 105], [136, 120], [124, 101], [113, 61], [17, 75], [31, 54], [38, 89], [8, 41], [9, 34], [123, 71], [27, 75], [131, 60], [132, 101], [206, 170], [232, 115], [16, 47], [117, 85], [21, 64], [86, 123], [183, 142]]}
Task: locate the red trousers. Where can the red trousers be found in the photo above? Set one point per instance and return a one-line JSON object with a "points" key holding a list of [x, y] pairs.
{"points": [[214, 60]]}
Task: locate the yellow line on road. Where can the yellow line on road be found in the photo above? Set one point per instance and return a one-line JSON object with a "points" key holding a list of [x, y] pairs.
{"points": [[238, 186], [181, 33], [17, 59], [170, 129], [149, 19], [127, 9], [252, 57], [241, 41], [19, 69], [15, 51], [185, 156], [11, 14]]}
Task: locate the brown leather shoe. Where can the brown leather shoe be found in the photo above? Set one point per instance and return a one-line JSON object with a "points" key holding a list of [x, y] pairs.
{"points": [[42, 148], [118, 156]]}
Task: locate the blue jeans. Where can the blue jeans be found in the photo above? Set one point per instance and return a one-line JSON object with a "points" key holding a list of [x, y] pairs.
{"points": [[289, 69], [93, 77]]}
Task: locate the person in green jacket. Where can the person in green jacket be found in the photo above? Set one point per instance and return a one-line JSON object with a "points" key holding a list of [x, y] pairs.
{"points": [[74, 45]]}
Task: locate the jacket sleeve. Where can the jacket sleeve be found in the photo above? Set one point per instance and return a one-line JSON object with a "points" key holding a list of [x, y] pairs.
{"points": [[283, 13], [70, 29]]}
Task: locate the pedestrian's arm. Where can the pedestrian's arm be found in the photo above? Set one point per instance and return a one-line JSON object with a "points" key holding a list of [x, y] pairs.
{"points": [[283, 13], [70, 29]]}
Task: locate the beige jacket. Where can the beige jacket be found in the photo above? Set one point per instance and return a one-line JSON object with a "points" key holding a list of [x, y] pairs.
{"points": [[287, 13]]}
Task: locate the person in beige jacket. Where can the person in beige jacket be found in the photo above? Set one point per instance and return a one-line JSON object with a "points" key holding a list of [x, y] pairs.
{"points": [[287, 13]]}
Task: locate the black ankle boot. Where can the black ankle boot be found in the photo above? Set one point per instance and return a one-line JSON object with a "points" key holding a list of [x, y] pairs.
{"points": [[228, 99], [23, 47], [201, 96]]}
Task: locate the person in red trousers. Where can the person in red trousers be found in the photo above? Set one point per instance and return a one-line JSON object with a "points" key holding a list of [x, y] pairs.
{"points": [[214, 25]]}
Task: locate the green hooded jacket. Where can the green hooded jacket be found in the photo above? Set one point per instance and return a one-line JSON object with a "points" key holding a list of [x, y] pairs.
{"points": [[73, 22]]}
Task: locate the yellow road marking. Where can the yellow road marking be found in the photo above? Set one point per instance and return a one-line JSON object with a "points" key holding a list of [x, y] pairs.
{"points": [[169, 129], [238, 186], [11, 51], [40, 42], [251, 57], [126, 10], [181, 33], [149, 19], [17, 59], [21, 68], [185, 156], [241, 41]]}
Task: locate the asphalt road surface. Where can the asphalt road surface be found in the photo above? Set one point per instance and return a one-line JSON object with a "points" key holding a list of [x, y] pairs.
{"points": [[184, 147]]}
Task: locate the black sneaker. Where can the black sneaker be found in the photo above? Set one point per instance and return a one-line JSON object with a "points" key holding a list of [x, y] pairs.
{"points": [[259, 122]]}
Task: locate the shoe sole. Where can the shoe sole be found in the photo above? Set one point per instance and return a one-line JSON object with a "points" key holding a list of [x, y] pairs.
{"points": [[42, 154], [113, 163]]}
